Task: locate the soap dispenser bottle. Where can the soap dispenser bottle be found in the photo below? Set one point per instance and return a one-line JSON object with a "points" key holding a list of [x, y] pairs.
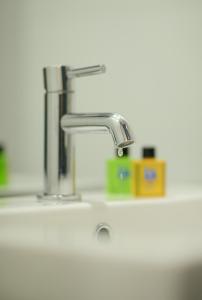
{"points": [[149, 174], [3, 167], [118, 175]]}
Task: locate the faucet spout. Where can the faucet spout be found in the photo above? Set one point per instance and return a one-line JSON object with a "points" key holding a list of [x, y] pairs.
{"points": [[114, 123]]}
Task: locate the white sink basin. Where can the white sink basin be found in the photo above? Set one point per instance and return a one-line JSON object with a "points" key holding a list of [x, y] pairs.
{"points": [[147, 250]]}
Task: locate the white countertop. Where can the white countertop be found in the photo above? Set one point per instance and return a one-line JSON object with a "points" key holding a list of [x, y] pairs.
{"points": [[22, 191]]}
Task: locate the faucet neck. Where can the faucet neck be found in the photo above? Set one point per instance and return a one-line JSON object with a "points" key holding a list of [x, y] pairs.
{"points": [[59, 162]]}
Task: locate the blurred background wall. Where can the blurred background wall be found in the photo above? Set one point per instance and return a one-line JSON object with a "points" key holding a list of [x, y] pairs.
{"points": [[153, 54]]}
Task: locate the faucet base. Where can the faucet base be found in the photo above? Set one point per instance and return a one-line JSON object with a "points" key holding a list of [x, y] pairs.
{"points": [[59, 198]]}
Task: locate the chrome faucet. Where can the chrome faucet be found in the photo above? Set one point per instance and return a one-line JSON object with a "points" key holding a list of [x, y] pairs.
{"points": [[61, 123]]}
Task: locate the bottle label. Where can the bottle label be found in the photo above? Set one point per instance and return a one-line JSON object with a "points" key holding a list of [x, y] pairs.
{"points": [[123, 173], [150, 174]]}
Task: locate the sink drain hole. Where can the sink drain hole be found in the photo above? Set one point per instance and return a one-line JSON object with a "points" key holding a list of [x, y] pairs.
{"points": [[103, 233]]}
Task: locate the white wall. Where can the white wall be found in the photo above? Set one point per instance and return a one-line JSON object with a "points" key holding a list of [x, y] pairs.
{"points": [[153, 54]]}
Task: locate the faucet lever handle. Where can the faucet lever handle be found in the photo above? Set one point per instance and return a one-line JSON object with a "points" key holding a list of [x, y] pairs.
{"points": [[87, 71]]}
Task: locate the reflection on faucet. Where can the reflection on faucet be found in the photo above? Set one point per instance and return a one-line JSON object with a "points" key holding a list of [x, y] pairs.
{"points": [[61, 123]]}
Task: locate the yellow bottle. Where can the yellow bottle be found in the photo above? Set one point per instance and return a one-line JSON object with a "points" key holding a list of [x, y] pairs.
{"points": [[149, 175]]}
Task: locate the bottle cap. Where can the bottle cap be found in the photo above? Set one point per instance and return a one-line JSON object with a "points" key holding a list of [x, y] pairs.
{"points": [[149, 152], [125, 152], [2, 148]]}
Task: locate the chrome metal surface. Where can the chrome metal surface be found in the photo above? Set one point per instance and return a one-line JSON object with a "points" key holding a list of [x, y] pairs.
{"points": [[112, 122], [103, 233], [87, 71], [55, 79], [61, 123]]}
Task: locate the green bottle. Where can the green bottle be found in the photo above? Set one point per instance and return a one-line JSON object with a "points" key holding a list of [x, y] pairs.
{"points": [[3, 167], [119, 172]]}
